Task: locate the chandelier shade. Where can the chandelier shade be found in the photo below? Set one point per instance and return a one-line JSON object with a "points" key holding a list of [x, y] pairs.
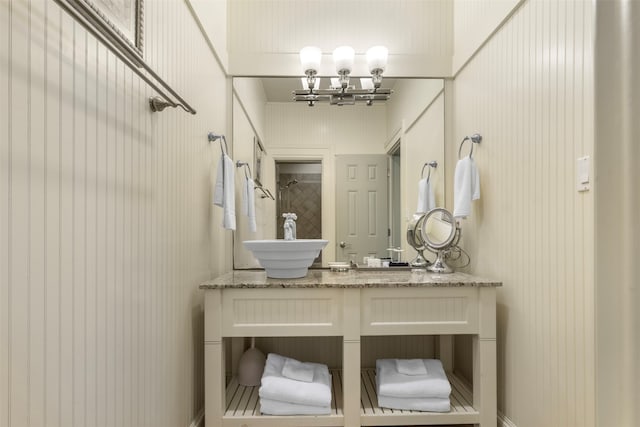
{"points": [[343, 58], [377, 58], [310, 58]]}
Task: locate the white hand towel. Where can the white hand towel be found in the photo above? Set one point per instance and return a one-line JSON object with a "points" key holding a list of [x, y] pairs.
{"points": [[411, 367], [296, 370], [426, 196], [224, 191], [249, 204], [466, 187], [391, 383], [431, 404], [276, 407], [277, 387]]}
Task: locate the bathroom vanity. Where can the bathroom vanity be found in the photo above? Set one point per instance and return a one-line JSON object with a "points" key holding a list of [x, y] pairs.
{"points": [[351, 306]]}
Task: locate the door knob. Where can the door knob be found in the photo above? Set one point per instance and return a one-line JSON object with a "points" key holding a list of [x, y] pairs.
{"points": [[343, 245]]}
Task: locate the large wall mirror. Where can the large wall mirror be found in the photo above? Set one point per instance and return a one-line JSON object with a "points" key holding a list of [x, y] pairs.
{"points": [[313, 153]]}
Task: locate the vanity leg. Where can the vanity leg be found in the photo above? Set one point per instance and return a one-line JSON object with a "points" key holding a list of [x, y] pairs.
{"points": [[484, 361], [351, 358], [214, 365]]}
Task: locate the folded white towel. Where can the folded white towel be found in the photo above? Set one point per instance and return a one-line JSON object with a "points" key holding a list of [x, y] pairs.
{"points": [[426, 196], [277, 387], [431, 404], [224, 191], [466, 187], [411, 367], [276, 407], [298, 371], [248, 203], [393, 384]]}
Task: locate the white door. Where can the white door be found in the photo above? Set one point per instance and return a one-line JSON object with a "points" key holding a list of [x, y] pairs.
{"points": [[361, 207]]}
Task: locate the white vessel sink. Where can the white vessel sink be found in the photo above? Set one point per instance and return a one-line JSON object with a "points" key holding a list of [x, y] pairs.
{"points": [[286, 259]]}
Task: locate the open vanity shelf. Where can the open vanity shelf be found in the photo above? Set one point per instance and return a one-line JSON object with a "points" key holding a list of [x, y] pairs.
{"points": [[351, 306], [242, 407]]}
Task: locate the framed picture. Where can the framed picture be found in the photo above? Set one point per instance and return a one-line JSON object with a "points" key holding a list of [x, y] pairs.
{"points": [[257, 160], [124, 19]]}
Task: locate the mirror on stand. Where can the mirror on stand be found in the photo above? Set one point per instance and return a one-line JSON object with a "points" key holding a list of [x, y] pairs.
{"points": [[438, 232]]}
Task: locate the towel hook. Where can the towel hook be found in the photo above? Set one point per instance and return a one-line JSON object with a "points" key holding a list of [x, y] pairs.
{"points": [[213, 137], [476, 138], [432, 164]]}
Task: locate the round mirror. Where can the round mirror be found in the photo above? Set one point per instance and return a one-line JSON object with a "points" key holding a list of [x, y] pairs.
{"points": [[414, 238], [438, 229]]}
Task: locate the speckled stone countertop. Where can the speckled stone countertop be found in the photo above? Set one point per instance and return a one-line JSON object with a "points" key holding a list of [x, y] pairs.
{"points": [[246, 279]]}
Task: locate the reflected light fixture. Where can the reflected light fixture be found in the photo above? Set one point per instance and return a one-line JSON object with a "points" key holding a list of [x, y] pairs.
{"points": [[341, 93]]}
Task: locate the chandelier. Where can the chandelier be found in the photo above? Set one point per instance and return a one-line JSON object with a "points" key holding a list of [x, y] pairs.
{"points": [[341, 92]]}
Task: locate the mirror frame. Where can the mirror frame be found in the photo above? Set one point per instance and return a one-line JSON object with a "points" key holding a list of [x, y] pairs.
{"points": [[448, 218]]}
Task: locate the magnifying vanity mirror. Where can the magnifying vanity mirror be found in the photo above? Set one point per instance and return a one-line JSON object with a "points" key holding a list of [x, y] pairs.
{"points": [[436, 231], [415, 240]]}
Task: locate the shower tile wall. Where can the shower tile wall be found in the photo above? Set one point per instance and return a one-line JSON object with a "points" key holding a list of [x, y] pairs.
{"points": [[305, 201]]}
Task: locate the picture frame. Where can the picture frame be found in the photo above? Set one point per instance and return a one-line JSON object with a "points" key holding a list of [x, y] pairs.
{"points": [[257, 159], [123, 21]]}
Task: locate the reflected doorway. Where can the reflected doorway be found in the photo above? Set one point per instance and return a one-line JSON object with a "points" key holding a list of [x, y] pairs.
{"points": [[299, 190], [395, 232]]}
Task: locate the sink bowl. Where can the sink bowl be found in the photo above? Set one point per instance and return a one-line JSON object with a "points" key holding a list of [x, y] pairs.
{"points": [[286, 259]]}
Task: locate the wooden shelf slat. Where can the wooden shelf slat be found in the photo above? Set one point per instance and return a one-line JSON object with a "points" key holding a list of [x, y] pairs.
{"points": [[243, 406]]}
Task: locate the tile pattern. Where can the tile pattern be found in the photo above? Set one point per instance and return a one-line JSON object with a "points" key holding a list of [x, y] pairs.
{"points": [[305, 200]]}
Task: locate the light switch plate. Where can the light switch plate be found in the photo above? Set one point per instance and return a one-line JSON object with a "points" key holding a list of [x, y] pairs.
{"points": [[582, 173]]}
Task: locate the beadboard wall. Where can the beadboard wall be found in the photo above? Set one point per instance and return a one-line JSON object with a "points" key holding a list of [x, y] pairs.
{"points": [[529, 92], [268, 34], [473, 23], [106, 227]]}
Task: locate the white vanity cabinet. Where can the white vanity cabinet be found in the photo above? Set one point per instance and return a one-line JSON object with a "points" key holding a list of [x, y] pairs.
{"points": [[351, 306]]}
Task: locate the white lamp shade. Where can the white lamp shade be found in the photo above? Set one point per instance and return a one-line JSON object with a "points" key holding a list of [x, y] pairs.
{"points": [[377, 58], [343, 58], [310, 57]]}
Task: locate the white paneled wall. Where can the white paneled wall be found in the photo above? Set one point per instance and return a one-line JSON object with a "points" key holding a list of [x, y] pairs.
{"points": [[106, 228], [267, 35], [286, 26], [422, 142], [474, 22], [529, 92], [243, 138], [349, 130], [249, 94]]}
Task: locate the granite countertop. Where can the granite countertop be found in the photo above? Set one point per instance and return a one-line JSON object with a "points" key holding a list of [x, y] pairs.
{"points": [[246, 279]]}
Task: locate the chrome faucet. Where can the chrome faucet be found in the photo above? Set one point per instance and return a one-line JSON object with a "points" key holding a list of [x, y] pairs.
{"points": [[289, 226]]}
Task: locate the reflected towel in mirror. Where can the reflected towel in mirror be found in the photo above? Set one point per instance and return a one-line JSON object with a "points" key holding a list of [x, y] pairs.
{"points": [[224, 191], [426, 196], [248, 203]]}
